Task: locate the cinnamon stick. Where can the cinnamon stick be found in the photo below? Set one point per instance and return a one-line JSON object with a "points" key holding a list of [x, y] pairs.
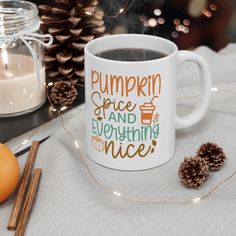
{"points": [[20, 197], [29, 201]]}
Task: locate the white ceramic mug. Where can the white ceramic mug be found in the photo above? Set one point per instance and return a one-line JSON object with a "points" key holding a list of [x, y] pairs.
{"points": [[131, 106]]}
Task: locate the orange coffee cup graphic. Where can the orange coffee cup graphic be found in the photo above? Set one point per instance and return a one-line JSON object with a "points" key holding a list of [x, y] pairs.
{"points": [[147, 110]]}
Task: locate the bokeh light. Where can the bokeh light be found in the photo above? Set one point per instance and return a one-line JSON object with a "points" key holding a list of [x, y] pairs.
{"points": [[161, 21], [152, 22], [176, 21], [186, 30], [213, 7], [206, 13], [157, 12], [145, 23], [186, 22], [174, 34], [181, 27], [142, 18]]}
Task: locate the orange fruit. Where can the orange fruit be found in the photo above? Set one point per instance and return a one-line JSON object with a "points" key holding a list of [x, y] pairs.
{"points": [[9, 172]]}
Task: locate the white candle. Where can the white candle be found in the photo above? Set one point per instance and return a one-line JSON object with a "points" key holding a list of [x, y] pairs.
{"points": [[20, 90]]}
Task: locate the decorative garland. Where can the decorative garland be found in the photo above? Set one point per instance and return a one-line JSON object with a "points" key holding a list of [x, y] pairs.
{"points": [[59, 112]]}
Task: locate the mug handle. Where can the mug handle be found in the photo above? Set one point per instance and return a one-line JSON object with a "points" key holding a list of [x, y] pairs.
{"points": [[205, 89]]}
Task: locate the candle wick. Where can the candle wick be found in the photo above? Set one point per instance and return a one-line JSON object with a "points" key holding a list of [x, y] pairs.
{"points": [[6, 66]]}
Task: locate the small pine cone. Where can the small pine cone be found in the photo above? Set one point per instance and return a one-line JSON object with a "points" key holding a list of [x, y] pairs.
{"points": [[63, 93], [213, 155], [193, 171]]}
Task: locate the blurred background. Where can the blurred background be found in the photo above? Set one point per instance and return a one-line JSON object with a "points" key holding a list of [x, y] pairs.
{"points": [[188, 23]]}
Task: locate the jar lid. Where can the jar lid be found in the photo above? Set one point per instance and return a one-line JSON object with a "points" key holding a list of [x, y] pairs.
{"points": [[16, 16]]}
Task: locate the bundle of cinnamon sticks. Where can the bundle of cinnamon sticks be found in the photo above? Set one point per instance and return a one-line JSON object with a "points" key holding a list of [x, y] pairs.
{"points": [[26, 193]]}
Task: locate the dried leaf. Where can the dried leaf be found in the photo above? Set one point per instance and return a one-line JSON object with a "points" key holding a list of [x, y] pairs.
{"points": [[154, 142], [99, 118]]}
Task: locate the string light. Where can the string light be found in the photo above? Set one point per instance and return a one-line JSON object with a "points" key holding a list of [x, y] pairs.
{"points": [[196, 199], [117, 193], [120, 11], [154, 201], [138, 200], [214, 89], [30, 136], [56, 111], [76, 144], [63, 108], [25, 141]]}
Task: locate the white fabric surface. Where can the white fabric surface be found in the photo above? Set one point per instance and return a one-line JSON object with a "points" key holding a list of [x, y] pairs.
{"points": [[69, 202]]}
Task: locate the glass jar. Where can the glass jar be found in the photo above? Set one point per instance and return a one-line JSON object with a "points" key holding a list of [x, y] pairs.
{"points": [[22, 70]]}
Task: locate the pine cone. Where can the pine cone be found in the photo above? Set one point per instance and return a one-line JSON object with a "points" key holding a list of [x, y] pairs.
{"points": [[213, 155], [63, 93], [72, 23], [193, 171]]}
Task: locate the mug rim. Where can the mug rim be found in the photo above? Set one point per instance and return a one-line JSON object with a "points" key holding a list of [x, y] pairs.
{"points": [[106, 37]]}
